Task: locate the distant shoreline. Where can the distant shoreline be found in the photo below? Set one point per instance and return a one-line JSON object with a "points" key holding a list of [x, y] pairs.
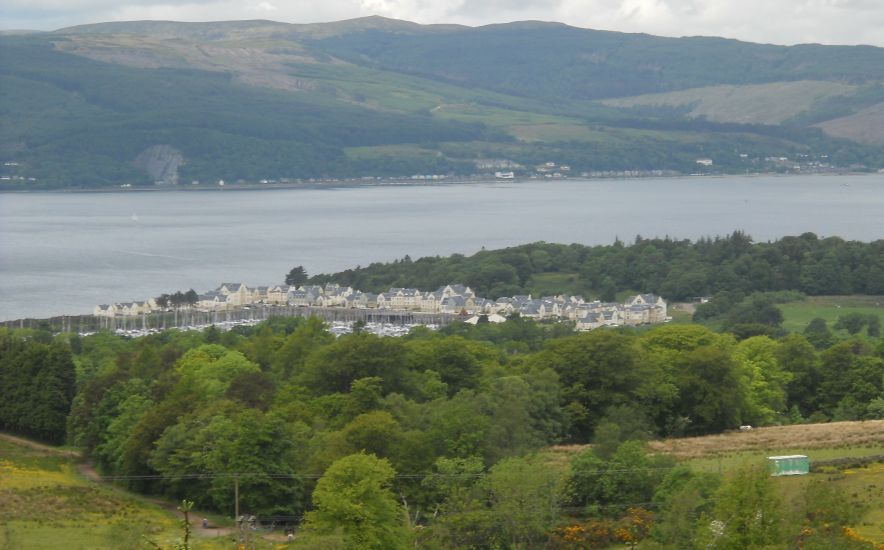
{"points": [[340, 184]]}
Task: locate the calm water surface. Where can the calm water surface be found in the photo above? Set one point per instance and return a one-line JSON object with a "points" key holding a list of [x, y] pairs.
{"points": [[62, 253]]}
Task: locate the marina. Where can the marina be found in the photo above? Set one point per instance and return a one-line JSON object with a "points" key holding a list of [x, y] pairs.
{"points": [[341, 321]]}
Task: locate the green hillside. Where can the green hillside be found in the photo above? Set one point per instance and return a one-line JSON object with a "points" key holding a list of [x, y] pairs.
{"points": [[45, 499], [80, 122], [772, 103], [158, 101], [553, 60]]}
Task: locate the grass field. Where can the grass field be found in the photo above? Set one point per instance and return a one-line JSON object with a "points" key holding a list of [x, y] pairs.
{"points": [[407, 151], [866, 126], [725, 452], [797, 315], [556, 132], [833, 436], [757, 103], [46, 504], [819, 442]]}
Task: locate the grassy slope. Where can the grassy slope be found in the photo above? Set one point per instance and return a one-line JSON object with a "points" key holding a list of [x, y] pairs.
{"points": [[46, 504], [724, 452], [818, 441], [865, 126], [771, 103], [799, 314], [286, 65], [839, 439]]}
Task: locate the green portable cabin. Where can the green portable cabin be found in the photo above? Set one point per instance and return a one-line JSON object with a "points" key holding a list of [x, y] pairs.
{"points": [[791, 465]]}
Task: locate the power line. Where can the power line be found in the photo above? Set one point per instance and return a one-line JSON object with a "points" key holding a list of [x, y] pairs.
{"points": [[272, 475]]}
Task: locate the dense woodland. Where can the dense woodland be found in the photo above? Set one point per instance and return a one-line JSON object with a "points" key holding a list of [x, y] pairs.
{"points": [[733, 267], [573, 63], [447, 426]]}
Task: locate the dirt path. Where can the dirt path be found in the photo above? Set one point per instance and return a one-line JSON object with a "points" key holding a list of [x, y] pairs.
{"points": [[40, 446], [89, 473]]}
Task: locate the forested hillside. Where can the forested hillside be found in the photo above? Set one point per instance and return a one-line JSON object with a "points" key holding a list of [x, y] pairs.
{"points": [[101, 117], [91, 106], [675, 269], [452, 421], [558, 61]]}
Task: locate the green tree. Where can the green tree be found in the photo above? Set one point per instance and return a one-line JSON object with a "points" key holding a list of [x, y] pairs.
{"points": [[712, 394], [853, 323], [297, 276], [765, 378], [162, 301], [36, 386], [457, 361], [597, 369], [511, 430], [818, 333], [126, 416], [290, 357], [798, 357], [608, 487], [757, 309], [525, 497], [353, 499], [584, 484], [459, 426], [252, 389], [694, 384], [463, 518], [874, 326], [621, 423], [851, 378], [681, 497], [208, 370], [747, 514], [225, 442], [334, 367]]}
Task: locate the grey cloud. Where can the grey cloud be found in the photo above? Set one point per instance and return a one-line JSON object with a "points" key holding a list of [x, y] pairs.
{"points": [[502, 7], [774, 21], [686, 7]]}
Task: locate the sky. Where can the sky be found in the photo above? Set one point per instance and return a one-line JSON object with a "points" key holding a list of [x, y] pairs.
{"points": [[767, 21]]}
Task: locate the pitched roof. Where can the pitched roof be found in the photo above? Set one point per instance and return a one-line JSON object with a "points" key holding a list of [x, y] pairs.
{"points": [[530, 308], [456, 301]]}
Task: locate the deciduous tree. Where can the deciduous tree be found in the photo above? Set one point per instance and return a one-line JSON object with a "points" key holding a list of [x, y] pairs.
{"points": [[353, 499]]}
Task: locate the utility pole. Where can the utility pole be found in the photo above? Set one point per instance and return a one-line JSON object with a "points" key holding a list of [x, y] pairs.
{"points": [[236, 497]]}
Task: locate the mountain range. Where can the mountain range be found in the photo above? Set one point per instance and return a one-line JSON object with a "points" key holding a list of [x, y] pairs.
{"points": [[149, 102]]}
